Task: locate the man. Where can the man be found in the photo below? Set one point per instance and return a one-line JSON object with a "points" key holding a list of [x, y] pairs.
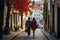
{"points": [[28, 25]]}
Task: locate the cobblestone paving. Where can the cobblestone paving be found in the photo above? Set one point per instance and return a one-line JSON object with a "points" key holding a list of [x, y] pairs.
{"points": [[38, 36]]}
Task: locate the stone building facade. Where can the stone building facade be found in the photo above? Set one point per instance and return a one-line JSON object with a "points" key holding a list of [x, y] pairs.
{"points": [[53, 17]]}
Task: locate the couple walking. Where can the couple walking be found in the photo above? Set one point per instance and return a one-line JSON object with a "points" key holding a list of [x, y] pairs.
{"points": [[31, 24]]}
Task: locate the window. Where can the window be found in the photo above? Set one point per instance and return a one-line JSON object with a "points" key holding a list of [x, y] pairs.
{"points": [[39, 15], [37, 18]]}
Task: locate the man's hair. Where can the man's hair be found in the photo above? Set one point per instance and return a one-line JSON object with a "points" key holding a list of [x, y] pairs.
{"points": [[28, 17]]}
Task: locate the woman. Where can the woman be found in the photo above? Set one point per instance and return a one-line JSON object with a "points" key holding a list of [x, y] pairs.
{"points": [[33, 26]]}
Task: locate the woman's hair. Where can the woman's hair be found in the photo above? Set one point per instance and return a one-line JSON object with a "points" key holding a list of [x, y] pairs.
{"points": [[33, 18]]}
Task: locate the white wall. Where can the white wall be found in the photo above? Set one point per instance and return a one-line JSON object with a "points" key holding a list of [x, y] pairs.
{"points": [[37, 15]]}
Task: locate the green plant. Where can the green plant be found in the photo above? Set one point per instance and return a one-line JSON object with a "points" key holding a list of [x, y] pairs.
{"points": [[45, 10]]}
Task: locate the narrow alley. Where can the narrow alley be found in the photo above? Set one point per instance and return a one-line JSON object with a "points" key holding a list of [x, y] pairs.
{"points": [[18, 15], [38, 36]]}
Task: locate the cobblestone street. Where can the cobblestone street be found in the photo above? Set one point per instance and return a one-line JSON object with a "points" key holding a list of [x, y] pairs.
{"points": [[38, 36]]}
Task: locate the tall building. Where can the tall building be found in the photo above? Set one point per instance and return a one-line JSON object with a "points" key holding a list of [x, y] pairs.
{"points": [[53, 17]]}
